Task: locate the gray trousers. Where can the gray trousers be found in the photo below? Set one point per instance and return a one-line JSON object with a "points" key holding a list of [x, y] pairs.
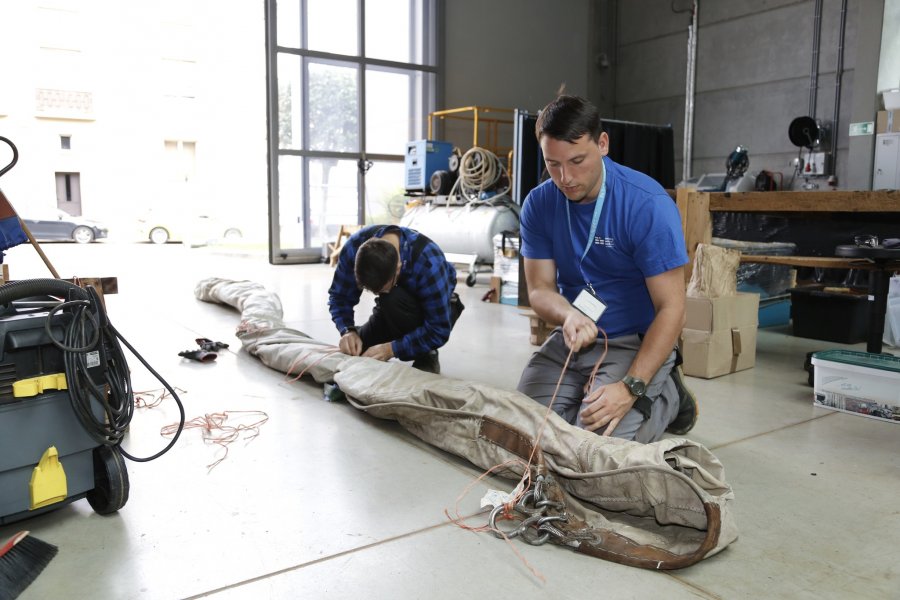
{"points": [[542, 373]]}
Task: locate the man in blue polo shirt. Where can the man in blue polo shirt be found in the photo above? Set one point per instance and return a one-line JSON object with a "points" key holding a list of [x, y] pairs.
{"points": [[415, 303], [604, 251]]}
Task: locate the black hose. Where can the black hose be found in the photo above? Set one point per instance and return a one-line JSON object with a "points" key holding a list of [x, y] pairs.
{"points": [[97, 375], [25, 288]]}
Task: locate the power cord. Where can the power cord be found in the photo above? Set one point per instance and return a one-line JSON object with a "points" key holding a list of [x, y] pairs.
{"points": [[98, 375]]}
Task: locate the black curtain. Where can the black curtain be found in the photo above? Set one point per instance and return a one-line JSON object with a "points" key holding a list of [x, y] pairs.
{"points": [[649, 149]]}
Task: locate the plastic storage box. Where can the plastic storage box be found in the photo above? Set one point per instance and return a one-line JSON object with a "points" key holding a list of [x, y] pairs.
{"points": [[859, 383], [841, 317], [761, 278], [771, 282]]}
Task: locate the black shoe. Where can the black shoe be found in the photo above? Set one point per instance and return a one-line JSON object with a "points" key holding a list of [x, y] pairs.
{"points": [[428, 362], [688, 409]]}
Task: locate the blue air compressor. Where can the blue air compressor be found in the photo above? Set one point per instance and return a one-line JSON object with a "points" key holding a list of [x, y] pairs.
{"points": [[423, 159]]}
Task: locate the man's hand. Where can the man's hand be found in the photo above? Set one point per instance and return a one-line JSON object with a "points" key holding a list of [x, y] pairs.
{"points": [[578, 330], [380, 351], [351, 343], [607, 405]]}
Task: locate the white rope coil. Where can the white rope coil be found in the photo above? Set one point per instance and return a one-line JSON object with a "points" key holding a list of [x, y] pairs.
{"points": [[479, 171]]}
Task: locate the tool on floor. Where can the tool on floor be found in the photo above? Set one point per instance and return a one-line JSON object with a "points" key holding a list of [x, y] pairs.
{"points": [[22, 558], [198, 355], [66, 399], [209, 345], [207, 352]]}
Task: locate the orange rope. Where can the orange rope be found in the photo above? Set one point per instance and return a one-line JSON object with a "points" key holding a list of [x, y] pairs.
{"points": [[219, 422], [153, 398], [297, 360], [590, 383], [525, 482]]}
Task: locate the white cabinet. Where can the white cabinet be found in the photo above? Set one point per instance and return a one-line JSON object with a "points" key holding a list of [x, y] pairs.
{"points": [[887, 162]]}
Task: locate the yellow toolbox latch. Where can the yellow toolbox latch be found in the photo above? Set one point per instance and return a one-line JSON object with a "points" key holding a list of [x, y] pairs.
{"points": [[48, 480], [25, 388]]}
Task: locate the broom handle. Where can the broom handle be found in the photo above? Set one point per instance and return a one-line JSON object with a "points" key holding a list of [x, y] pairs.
{"points": [[31, 238]]}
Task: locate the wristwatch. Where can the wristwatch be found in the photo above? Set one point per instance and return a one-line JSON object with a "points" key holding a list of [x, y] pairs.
{"points": [[635, 385], [347, 330]]}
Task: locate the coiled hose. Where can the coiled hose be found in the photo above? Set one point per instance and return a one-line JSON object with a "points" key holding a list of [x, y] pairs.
{"points": [[479, 170]]}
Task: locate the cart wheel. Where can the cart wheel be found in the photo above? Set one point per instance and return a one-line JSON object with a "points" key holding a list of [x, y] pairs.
{"points": [[470, 279], [110, 480]]}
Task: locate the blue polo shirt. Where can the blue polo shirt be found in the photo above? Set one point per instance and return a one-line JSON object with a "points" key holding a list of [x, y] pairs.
{"points": [[639, 235]]}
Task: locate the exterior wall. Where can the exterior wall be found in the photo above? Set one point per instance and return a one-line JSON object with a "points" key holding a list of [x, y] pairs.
{"points": [[113, 54]]}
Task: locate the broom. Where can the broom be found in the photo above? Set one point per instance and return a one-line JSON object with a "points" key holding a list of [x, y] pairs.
{"points": [[22, 558]]}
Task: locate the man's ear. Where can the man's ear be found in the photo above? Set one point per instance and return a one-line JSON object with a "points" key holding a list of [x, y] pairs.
{"points": [[603, 143]]}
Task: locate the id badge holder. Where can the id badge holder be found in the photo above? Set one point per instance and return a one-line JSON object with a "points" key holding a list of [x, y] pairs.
{"points": [[589, 304]]}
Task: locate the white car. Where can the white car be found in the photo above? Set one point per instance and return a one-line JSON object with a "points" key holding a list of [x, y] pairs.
{"points": [[199, 229]]}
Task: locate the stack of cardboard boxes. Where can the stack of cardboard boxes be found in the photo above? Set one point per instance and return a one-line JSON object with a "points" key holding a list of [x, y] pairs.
{"points": [[887, 121], [719, 335]]}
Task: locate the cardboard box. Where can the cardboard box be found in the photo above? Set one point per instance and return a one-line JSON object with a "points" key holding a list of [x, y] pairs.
{"points": [[713, 314], [709, 354], [720, 335], [858, 383], [887, 121], [494, 294], [540, 329]]}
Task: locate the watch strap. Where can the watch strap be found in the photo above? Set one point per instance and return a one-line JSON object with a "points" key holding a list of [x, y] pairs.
{"points": [[643, 405]]}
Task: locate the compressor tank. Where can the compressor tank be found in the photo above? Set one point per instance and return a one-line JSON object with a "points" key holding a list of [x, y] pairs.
{"points": [[464, 229]]}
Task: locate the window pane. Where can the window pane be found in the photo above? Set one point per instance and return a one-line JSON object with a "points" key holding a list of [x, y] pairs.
{"points": [[288, 23], [332, 26], [396, 30], [385, 196], [333, 198], [290, 202], [333, 108], [290, 102], [387, 111]]}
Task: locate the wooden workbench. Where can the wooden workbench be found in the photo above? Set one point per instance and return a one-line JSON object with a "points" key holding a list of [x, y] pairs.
{"points": [[696, 210]]}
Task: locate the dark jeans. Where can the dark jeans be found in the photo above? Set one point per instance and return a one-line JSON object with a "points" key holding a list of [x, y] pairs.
{"points": [[397, 313]]}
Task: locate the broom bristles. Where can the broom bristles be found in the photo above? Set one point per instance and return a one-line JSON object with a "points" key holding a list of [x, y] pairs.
{"points": [[21, 562]]}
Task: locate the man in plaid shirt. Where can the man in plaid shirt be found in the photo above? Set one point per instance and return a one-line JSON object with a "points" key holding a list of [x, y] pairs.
{"points": [[415, 303]]}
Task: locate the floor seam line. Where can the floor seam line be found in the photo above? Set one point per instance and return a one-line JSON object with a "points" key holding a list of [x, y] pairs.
{"points": [[764, 433], [322, 559]]}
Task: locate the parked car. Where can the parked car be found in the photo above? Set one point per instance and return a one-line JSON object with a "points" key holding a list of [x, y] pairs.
{"points": [[160, 228], [59, 226]]}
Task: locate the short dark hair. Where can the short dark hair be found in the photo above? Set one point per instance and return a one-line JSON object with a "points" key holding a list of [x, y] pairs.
{"points": [[568, 118], [376, 264]]}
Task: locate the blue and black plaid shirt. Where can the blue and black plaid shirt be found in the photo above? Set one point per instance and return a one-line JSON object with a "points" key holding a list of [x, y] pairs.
{"points": [[431, 279]]}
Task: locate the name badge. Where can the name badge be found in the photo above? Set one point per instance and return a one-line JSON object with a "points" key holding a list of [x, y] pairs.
{"points": [[589, 304]]}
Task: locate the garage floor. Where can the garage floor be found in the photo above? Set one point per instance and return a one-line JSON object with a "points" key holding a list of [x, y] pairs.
{"points": [[328, 502]]}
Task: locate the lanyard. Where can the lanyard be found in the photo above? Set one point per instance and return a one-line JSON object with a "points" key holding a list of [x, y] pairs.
{"points": [[595, 220]]}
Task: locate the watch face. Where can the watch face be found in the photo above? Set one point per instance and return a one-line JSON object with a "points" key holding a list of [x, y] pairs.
{"points": [[637, 386]]}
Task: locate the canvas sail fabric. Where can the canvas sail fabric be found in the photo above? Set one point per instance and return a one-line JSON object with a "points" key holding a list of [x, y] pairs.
{"points": [[664, 505]]}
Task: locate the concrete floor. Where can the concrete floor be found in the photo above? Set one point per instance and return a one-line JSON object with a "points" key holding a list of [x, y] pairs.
{"points": [[328, 502]]}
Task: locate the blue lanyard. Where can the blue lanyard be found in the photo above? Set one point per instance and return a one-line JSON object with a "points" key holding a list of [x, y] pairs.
{"points": [[595, 220]]}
